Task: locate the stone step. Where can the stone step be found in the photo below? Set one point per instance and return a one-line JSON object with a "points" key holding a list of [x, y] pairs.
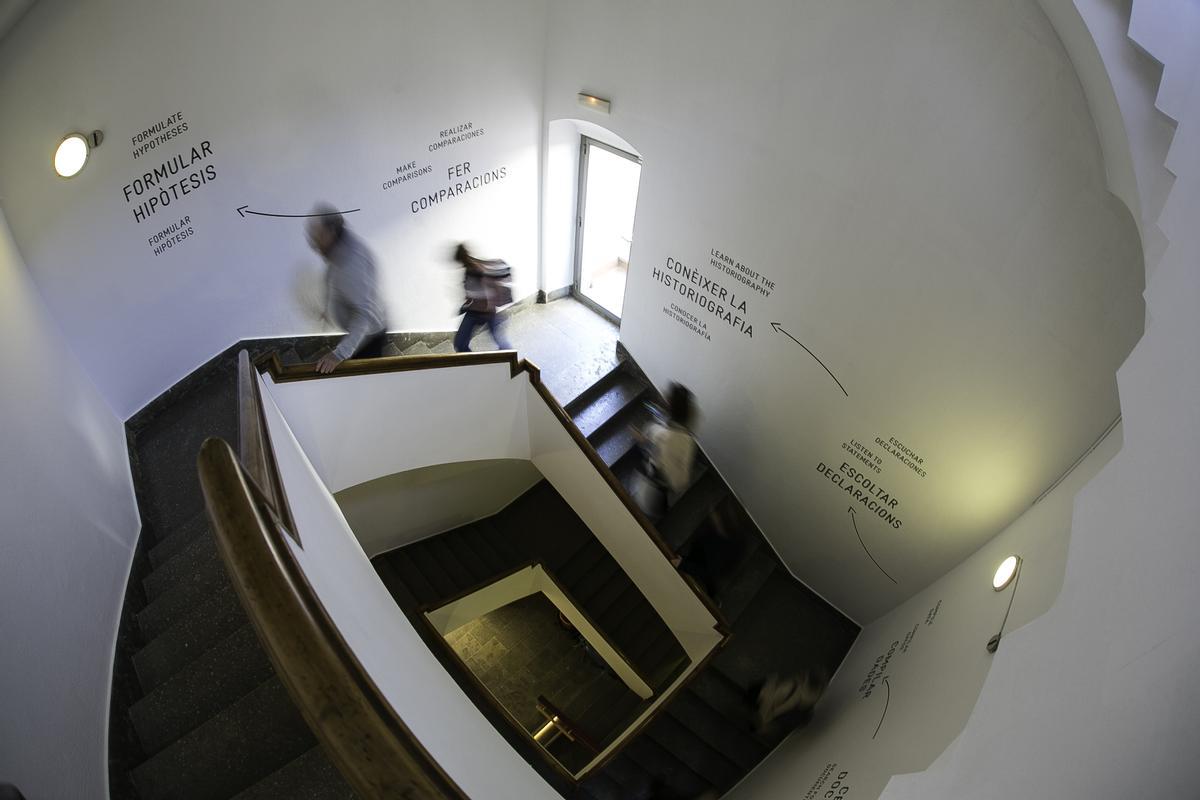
{"points": [[309, 777], [178, 539], [199, 554], [624, 390], [191, 590], [203, 688], [245, 742], [200, 627]]}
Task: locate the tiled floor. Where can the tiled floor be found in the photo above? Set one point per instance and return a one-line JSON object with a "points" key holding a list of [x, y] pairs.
{"points": [[519, 652], [572, 345]]}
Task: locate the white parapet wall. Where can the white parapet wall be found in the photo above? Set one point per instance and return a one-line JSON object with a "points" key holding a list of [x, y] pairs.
{"points": [[339, 432]]}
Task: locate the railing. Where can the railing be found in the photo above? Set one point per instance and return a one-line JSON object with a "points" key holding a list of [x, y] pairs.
{"points": [[362, 734]]}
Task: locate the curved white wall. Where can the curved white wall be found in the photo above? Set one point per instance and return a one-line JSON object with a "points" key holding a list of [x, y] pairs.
{"points": [[300, 102], [68, 525]]}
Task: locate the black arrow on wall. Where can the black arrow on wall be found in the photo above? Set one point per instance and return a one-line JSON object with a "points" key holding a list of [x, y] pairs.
{"points": [[887, 702], [854, 522], [244, 210], [780, 329]]}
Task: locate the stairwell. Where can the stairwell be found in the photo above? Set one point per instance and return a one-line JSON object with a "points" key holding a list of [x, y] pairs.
{"points": [[199, 713]]}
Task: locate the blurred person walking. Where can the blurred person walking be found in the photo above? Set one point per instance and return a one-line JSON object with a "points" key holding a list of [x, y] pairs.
{"points": [[352, 298], [668, 452], [487, 287]]}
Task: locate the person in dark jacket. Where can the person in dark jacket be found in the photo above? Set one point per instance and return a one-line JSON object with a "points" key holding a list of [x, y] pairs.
{"points": [[485, 282]]}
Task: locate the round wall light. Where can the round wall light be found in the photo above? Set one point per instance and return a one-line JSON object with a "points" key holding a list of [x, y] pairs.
{"points": [[71, 155], [1004, 573]]}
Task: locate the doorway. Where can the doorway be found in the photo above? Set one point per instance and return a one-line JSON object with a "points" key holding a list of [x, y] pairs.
{"points": [[608, 186]]}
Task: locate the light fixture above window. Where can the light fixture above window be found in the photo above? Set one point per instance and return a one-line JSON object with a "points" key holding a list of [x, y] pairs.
{"points": [[73, 151]]}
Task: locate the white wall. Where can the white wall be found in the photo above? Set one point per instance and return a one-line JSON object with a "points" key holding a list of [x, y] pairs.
{"points": [[395, 510], [457, 736], [937, 665], [923, 185], [301, 102], [68, 525]]}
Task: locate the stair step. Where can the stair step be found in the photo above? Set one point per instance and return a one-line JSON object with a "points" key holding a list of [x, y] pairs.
{"points": [[178, 539], [194, 694], [289, 357], [397, 568], [729, 701], [390, 349], [245, 742], [432, 570], [200, 628], [615, 443], [609, 404], [312, 776], [475, 538], [692, 509], [674, 774], [581, 400], [462, 575], [588, 558], [744, 585], [193, 589], [199, 553], [417, 349], [730, 738], [630, 775], [475, 563], [700, 756], [311, 348], [443, 347]]}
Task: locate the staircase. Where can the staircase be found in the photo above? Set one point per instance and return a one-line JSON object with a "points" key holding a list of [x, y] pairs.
{"points": [[540, 527], [199, 714]]}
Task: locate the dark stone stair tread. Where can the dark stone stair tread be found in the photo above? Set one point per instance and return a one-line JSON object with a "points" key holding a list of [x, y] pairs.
{"points": [[728, 700], [590, 586], [474, 538], [461, 575], [785, 629], [662, 659], [629, 774], [201, 627], [312, 776], [474, 564], [629, 600], [731, 738], [166, 448], [700, 756], [587, 559], [398, 572], [257, 735], [199, 553], [663, 765], [173, 604], [178, 539], [614, 444], [745, 583], [505, 550], [599, 786], [692, 509], [581, 400], [609, 404], [428, 565], [612, 590], [289, 356], [219, 677]]}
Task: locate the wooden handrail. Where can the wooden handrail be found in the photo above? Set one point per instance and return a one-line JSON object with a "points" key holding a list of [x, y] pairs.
{"points": [[568, 726], [362, 734], [254, 445]]}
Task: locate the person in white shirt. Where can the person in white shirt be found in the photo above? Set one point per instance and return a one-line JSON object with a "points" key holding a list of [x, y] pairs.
{"points": [[668, 451]]}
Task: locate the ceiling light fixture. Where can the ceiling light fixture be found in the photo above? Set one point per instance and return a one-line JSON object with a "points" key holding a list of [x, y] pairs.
{"points": [[72, 152], [1008, 572]]}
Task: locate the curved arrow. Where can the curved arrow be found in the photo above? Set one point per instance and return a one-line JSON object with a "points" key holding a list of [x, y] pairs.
{"points": [[780, 329], [854, 522], [886, 703], [242, 212]]}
